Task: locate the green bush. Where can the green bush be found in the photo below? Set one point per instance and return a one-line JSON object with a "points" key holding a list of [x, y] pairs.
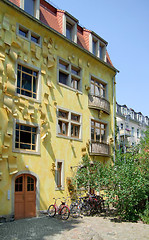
{"points": [[126, 182]]}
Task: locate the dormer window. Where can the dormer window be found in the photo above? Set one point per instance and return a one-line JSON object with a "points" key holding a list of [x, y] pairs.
{"points": [[31, 7], [98, 48], [70, 27]]}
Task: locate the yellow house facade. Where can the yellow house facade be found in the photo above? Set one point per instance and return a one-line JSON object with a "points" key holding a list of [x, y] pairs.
{"points": [[57, 103]]}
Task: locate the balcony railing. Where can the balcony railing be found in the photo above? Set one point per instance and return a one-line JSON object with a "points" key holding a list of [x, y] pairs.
{"points": [[125, 132], [98, 103], [98, 148]]}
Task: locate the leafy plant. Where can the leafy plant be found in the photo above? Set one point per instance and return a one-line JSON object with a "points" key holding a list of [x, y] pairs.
{"points": [[125, 183]]}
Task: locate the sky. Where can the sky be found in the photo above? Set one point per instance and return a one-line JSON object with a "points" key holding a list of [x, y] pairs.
{"points": [[124, 24]]}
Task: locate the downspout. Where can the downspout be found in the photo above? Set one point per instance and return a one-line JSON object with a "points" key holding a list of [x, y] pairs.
{"points": [[114, 118]]}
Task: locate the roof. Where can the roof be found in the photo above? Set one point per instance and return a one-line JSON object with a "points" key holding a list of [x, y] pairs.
{"points": [[53, 17]]}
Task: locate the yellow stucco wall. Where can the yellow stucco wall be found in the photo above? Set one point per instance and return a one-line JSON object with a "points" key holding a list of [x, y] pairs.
{"points": [[13, 49]]}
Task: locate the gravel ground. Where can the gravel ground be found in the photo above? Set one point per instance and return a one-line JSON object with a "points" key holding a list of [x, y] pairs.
{"points": [[86, 228]]}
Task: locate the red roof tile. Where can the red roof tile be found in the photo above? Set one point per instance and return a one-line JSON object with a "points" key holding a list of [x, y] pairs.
{"points": [[16, 2]]}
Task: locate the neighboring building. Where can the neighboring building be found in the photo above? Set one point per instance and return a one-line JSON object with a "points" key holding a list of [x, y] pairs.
{"points": [[130, 126], [57, 103]]}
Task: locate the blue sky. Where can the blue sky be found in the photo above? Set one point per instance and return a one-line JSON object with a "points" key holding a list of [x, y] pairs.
{"points": [[124, 24]]}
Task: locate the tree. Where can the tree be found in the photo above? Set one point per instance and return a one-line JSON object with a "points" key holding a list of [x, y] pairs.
{"points": [[126, 182]]}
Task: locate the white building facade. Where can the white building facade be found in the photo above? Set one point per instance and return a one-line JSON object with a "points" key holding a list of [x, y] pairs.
{"points": [[130, 126]]}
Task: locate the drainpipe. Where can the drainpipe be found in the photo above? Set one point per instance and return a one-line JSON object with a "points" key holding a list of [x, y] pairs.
{"points": [[114, 119]]}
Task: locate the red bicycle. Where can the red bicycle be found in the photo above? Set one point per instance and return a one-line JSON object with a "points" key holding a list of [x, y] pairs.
{"points": [[62, 210]]}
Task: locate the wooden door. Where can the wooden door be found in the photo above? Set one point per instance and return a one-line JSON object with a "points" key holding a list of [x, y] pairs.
{"points": [[25, 196]]}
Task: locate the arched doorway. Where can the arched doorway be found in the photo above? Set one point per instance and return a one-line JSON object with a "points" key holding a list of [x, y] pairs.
{"points": [[25, 196]]}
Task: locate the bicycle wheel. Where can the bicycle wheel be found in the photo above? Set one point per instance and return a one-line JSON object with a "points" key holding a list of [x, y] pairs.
{"points": [[86, 209], [65, 212], [75, 211], [51, 211]]}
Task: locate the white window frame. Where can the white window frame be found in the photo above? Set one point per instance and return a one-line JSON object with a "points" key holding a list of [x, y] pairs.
{"points": [[62, 187], [36, 9], [39, 87], [66, 20], [100, 80], [70, 75], [106, 130], [29, 35], [69, 121], [98, 44], [37, 151]]}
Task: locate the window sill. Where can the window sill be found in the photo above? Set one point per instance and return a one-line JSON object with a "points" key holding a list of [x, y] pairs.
{"points": [[59, 188], [70, 88], [69, 138], [25, 152], [27, 98]]}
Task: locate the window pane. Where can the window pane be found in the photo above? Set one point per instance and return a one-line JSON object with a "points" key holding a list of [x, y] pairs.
{"points": [[33, 138], [102, 135], [97, 91], [25, 137], [17, 136], [75, 117], [69, 31], [34, 84], [34, 39], [63, 78], [92, 133], [92, 89], [63, 114], [18, 79], [29, 6], [97, 134], [26, 128], [94, 47], [97, 124], [75, 71], [23, 32], [63, 65], [26, 81], [25, 146]]}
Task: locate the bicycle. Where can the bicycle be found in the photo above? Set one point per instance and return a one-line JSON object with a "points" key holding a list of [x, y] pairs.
{"points": [[80, 207], [61, 210]]}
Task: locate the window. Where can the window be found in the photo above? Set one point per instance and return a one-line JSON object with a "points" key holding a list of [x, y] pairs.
{"points": [[101, 51], [98, 131], [122, 125], [23, 32], [69, 28], [25, 137], [69, 124], [98, 88], [138, 133], [63, 123], [98, 47], [75, 125], [94, 47], [70, 75], [132, 131], [29, 35], [59, 175], [27, 81], [29, 6]]}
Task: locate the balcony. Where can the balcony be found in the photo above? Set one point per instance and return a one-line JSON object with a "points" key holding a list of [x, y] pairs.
{"points": [[99, 103], [125, 132], [98, 148]]}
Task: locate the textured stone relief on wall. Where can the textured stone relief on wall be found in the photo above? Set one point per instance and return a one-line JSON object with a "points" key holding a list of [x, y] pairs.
{"points": [[12, 49]]}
